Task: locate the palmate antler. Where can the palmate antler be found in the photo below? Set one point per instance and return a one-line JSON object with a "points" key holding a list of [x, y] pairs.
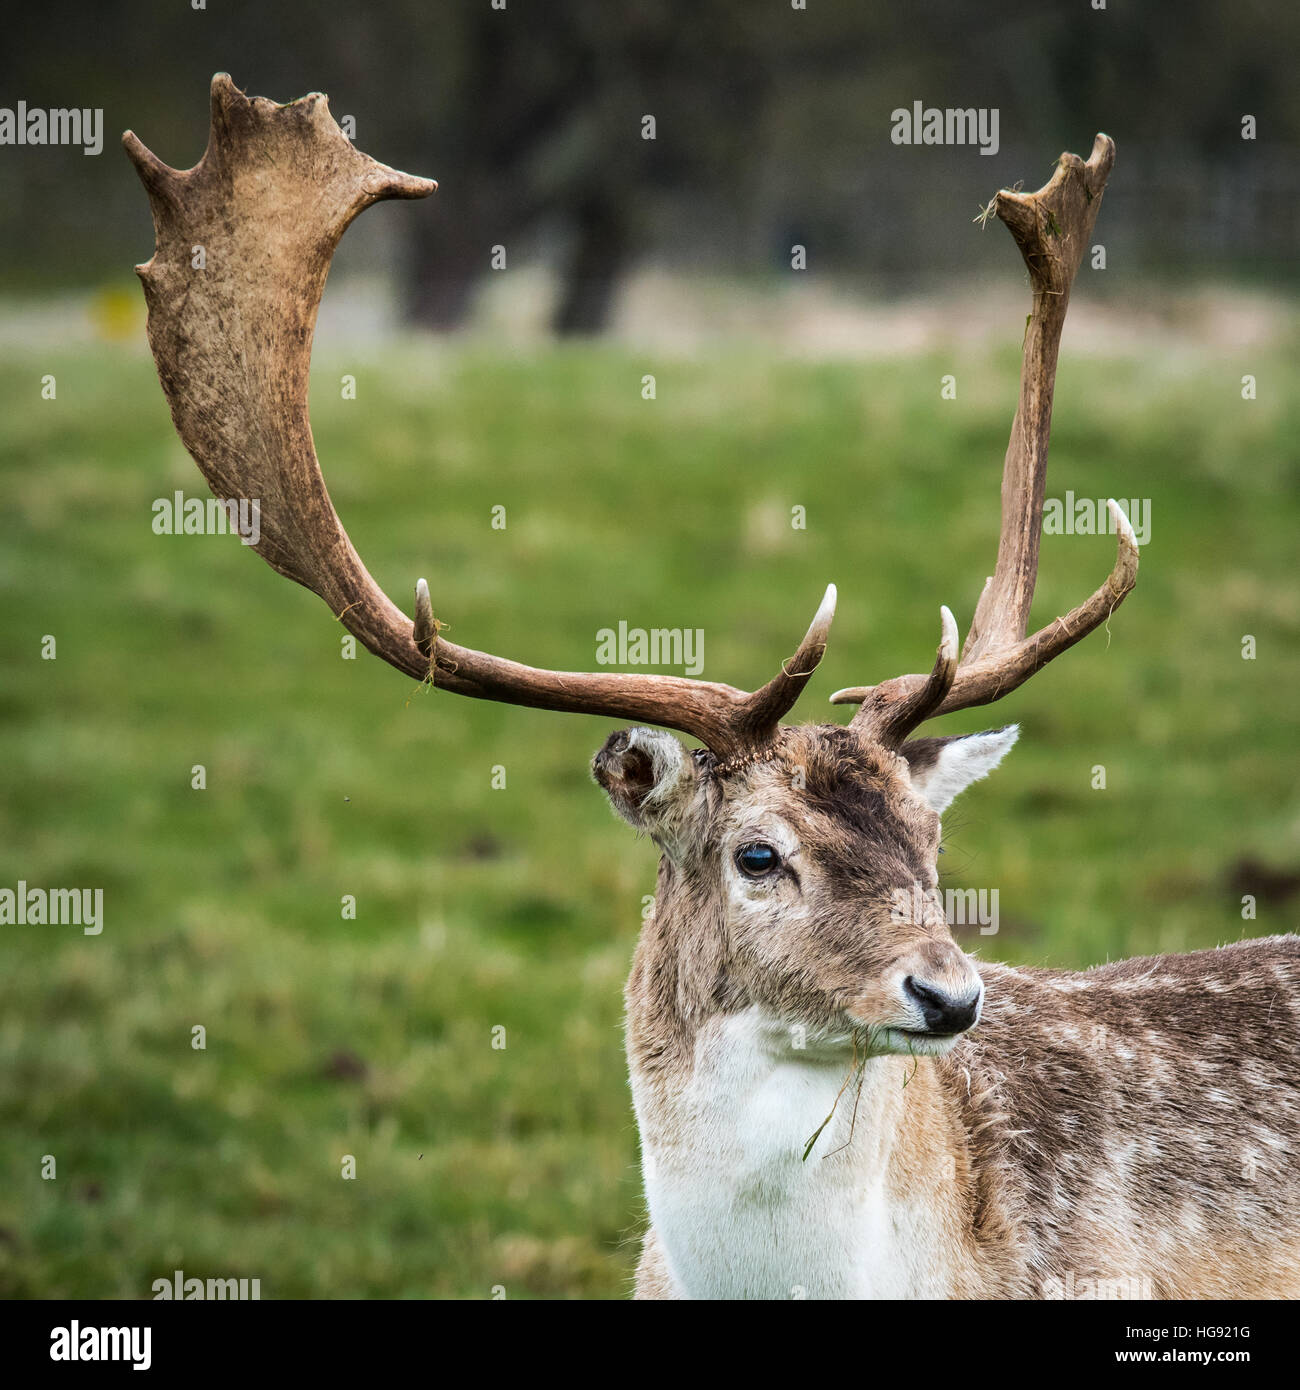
{"points": [[268, 203], [231, 332], [1052, 228]]}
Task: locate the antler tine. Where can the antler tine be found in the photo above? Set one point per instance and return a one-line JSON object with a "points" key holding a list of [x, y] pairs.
{"points": [[887, 714], [231, 332], [425, 629], [766, 707], [989, 679], [1052, 229]]}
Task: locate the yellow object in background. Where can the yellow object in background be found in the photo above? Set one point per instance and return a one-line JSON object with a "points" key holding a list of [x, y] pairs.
{"points": [[117, 313]]}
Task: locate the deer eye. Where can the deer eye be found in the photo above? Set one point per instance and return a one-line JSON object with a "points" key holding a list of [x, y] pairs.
{"points": [[757, 860]]}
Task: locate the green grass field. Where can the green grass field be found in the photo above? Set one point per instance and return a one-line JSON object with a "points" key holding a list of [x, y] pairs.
{"points": [[517, 908]]}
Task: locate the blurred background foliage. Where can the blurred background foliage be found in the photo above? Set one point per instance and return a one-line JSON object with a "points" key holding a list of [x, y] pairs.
{"points": [[518, 908], [773, 127]]}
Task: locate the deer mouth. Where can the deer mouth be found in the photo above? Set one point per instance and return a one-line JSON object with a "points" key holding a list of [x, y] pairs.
{"points": [[917, 1042]]}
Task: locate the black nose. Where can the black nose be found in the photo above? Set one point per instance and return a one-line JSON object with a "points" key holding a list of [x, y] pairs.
{"points": [[943, 1012]]}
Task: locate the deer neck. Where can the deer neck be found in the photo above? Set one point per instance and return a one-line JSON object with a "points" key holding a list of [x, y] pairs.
{"points": [[727, 1097]]}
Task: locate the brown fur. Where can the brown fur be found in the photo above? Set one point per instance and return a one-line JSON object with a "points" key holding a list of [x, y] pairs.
{"points": [[1139, 1121]]}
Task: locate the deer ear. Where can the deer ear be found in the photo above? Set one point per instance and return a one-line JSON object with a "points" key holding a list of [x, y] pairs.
{"points": [[942, 768], [651, 780]]}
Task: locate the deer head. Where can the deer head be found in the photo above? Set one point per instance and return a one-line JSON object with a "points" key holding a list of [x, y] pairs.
{"points": [[783, 847], [803, 881]]}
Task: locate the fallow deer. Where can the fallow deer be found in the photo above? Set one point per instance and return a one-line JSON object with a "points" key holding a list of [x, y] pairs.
{"points": [[1131, 1127]]}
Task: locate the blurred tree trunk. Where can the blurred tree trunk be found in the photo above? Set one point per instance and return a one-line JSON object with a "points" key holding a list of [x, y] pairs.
{"points": [[449, 259], [601, 250], [453, 251]]}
